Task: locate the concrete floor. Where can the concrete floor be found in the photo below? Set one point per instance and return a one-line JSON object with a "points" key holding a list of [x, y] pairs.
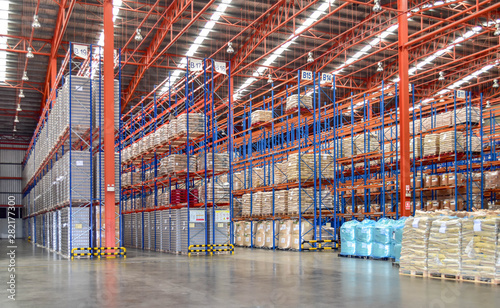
{"points": [[250, 278]]}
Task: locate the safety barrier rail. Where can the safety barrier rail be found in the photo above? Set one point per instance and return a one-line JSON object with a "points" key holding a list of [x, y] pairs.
{"points": [[210, 248], [98, 251], [320, 245]]}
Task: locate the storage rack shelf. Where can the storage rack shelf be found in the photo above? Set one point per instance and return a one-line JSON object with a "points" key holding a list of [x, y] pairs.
{"points": [[62, 170], [201, 213]]}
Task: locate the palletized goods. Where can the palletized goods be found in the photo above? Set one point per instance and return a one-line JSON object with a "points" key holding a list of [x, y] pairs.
{"points": [[292, 102]]}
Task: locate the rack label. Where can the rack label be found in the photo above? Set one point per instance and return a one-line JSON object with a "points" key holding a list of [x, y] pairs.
{"points": [[461, 94], [306, 75], [326, 78], [81, 51], [220, 67], [195, 65]]}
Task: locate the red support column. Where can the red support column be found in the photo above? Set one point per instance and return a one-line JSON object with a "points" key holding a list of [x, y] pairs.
{"points": [[53, 72], [109, 131], [404, 105]]}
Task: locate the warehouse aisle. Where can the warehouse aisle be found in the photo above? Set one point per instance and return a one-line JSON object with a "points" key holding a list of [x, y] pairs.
{"points": [[250, 278]]}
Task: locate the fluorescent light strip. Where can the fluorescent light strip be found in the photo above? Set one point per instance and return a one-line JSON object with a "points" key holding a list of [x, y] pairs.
{"points": [[275, 54], [221, 8]]}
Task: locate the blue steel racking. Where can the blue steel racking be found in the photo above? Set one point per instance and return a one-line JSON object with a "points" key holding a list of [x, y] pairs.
{"points": [[194, 93], [80, 142]]}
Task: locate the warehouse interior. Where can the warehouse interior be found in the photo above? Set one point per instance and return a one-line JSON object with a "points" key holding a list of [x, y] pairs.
{"points": [[231, 153]]}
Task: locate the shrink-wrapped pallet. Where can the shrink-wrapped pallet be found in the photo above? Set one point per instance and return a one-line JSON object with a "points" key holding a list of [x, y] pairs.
{"points": [[281, 202], [415, 147], [239, 233], [301, 232], [261, 116], [238, 180], [462, 143], [415, 243], [445, 241], [444, 119], [390, 152], [195, 125], [259, 234], [428, 123], [292, 102], [467, 114], [348, 237], [162, 134], [163, 197], [280, 172], [217, 192], [178, 163], [258, 177], [270, 233], [364, 237], [491, 180], [366, 143], [171, 128], [348, 147], [431, 145], [267, 203], [285, 234], [251, 204], [305, 200], [414, 127], [382, 238], [324, 167], [217, 162], [247, 233], [479, 250]]}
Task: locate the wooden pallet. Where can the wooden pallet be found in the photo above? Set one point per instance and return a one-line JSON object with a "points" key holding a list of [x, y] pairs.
{"points": [[477, 279], [443, 276], [420, 274]]}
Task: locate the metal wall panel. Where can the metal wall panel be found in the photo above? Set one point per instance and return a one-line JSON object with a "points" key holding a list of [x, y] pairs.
{"points": [[10, 170], [12, 156]]}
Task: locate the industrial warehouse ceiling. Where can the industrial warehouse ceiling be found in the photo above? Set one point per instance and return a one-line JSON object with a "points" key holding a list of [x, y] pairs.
{"points": [[348, 38]]}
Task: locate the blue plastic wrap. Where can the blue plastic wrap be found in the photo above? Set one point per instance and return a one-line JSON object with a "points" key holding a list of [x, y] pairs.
{"points": [[348, 231], [397, 252], [364, 231], [363, 249], [383, 231], [380, 250], [397, 227], [348, 248]]}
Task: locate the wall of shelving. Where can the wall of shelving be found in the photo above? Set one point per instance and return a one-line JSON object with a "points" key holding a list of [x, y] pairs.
{"points": [[63, 170], [177, 165]]}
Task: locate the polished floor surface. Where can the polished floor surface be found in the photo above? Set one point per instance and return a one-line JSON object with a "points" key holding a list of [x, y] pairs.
{"points": [[250, 278]]}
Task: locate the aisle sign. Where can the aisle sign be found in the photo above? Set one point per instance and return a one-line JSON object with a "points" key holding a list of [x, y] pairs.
{"points": [[306, 75], [461, 94], [326, 78], [220, 67], [195, 65], [196, 215], [81, 51]]}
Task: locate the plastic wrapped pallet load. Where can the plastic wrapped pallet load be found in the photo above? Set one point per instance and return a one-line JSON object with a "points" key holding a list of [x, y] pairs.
{"points": [[479, 251], [348, 147], [305, 200], [261, 116], [382, 238], [397, 237], [260, 234], [467, 114], [445, 241], [285, 234], [178, 163], [247, 234], [217, 193], [348, 238], [364, 238], [431, 145], [171, 128], [280, 172], [195, 127], [415, 244], [301, 232], [270, 233], [304, 166], [292, 103], [449, 142], [281, 202], [267, 203], [258, 177], [366, 143], [239, 233], [217, 162]]}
